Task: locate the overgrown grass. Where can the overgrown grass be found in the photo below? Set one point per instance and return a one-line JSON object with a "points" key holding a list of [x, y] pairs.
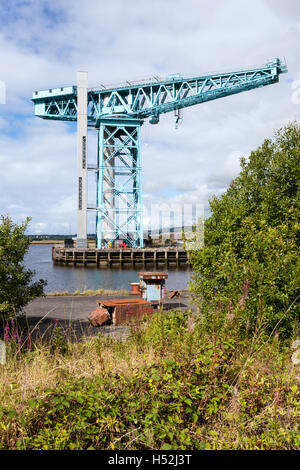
{"points": [[169, 385], [88, 292]]}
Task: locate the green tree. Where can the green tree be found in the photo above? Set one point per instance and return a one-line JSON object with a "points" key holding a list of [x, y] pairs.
{"points": [[16, 286], [249, 266]]}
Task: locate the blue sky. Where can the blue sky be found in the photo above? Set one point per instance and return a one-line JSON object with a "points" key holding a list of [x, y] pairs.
{"points": [[43, 44]]}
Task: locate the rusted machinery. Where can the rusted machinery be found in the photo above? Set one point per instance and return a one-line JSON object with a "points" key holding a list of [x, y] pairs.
{"points": [[135, 288], [152, 285], [124, 311], [120, 311]]}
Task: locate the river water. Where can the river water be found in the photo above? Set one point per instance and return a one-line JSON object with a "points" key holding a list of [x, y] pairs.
{"points": [[70, 278]]}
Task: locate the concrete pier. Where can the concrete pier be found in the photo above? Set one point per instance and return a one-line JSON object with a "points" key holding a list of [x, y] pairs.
{"points": [[120, 257]]}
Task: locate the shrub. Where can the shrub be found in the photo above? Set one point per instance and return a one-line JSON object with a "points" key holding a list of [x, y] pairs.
{"points": [[205, 392], [249, 266], [16, 285]]}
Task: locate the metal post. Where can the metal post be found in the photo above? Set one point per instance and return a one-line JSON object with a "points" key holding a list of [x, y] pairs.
{"points": [[82, 85]]}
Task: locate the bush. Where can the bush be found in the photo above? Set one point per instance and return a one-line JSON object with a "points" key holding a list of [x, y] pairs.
{"points": [[180, 389], [172, 404], [249, 266], [16, 286]]}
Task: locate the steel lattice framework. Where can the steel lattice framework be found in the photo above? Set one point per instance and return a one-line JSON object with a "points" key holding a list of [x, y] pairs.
{"points": [[119, 189], [118, 112]]}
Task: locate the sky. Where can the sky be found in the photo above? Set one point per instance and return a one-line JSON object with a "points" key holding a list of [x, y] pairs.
{"points": [[43, 44]]}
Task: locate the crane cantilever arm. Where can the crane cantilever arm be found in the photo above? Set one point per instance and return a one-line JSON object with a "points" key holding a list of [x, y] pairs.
{"points": [[202, 97], [141, 101]]}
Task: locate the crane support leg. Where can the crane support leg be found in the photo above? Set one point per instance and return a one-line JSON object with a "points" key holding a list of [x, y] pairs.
{"points": [[119, 183]]}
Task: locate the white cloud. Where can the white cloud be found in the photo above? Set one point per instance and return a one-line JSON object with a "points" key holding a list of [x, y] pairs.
{"points": [[43, 44]]}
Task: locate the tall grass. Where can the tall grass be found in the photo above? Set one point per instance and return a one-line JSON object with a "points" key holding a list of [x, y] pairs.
{"points": [[170, 384], [88, 292]]}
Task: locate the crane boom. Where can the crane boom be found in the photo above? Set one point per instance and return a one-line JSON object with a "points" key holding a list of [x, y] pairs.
{"points": [[142, 101]]}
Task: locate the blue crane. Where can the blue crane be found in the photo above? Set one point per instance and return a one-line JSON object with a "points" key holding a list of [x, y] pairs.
{"points": [[117, 113]]}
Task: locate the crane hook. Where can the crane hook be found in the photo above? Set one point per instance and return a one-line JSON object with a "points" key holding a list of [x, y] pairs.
{"points": [[178, 117]]}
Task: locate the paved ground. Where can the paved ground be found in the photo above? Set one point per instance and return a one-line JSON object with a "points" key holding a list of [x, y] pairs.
{"points": [[71, 312]]}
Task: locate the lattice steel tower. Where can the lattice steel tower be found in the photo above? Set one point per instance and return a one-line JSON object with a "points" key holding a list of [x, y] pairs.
{"points": [[117, 112]]}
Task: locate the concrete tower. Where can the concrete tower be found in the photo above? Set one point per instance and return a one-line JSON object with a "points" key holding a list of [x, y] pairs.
{"points": [[82, 85]]}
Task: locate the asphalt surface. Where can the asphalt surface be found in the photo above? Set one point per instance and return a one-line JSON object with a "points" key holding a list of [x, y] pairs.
{"points": [[44, 314]]}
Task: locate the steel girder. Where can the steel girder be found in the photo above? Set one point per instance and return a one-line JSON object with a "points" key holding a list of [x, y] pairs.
{"points": [[119, 184], [153, 98]]}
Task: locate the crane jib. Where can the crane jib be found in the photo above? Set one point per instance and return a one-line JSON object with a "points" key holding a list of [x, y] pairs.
{"points": [[142, 101]]}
